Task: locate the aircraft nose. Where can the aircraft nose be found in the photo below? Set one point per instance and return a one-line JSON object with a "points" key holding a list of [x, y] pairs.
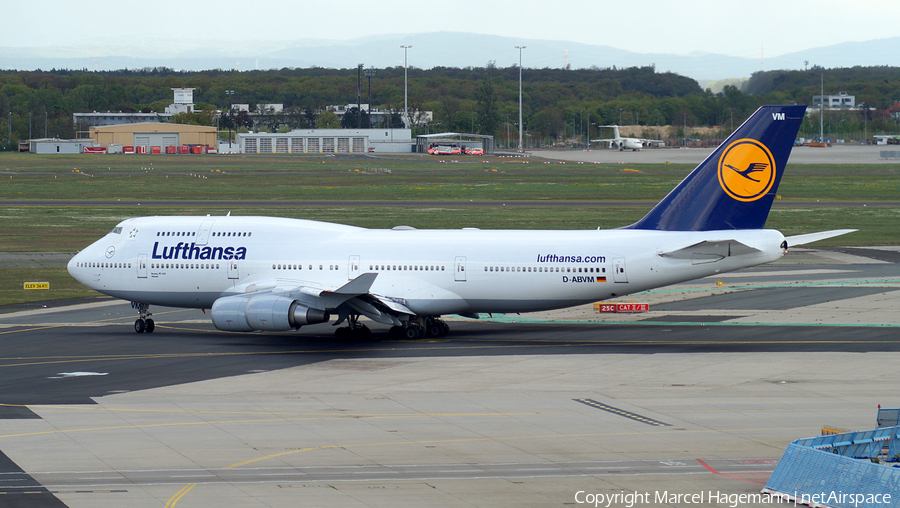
{"points": [[72, 266]]}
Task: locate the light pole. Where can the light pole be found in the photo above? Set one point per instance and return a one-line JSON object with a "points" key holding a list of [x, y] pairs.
{"points": [[358, 96], [865, 111], [9, 130], [822, 111], [405, 89], [231, 111], [657, 124], [587, 139], [507, 130], [369, 73], [520, 48]]}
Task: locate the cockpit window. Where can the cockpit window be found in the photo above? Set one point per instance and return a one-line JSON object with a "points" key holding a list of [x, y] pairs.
{"points": [[116, 230]]}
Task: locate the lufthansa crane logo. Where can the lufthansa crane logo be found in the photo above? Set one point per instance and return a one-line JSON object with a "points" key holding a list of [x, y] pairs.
{"points": [[746, 170]]}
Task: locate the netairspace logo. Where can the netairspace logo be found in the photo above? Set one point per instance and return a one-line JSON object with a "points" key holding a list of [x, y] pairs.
{"points": [[631, 499]]}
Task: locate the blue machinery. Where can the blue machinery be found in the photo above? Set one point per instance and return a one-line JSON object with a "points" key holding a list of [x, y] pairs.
{"points": [[853, 469]]}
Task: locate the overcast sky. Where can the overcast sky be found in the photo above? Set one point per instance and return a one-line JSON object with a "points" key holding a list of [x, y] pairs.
{"points": [[744, 28]]}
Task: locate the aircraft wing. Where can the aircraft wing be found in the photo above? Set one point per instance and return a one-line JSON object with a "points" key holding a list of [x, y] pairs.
{"points": [[354, 296], [815, 237], [710, 251]]}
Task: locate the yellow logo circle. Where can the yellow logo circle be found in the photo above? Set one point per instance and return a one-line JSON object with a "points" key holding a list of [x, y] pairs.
{"points": [[746, 170]]}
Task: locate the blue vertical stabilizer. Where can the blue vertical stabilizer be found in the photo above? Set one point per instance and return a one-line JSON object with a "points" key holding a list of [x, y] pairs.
{"points": [[735, 186]]}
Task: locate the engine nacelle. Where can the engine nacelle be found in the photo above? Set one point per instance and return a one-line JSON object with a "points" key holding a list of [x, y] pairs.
{"points": [[263, 312]]}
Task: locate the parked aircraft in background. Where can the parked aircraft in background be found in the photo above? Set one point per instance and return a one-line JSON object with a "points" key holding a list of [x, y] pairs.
{"points": [[271, 274], [620, 143]]}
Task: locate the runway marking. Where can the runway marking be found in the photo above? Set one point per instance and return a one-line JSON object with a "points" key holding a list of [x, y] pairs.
{"points": [[830, 410], [270, 413], [502, 343], [273, 420], [835, 283], [713, 471], [621, 412], [505, 318], [507, 438], [106, 322], [776, 273], [180, 494]]}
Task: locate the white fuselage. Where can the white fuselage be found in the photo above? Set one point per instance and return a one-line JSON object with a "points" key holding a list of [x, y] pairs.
{"points": [[193, 261]]}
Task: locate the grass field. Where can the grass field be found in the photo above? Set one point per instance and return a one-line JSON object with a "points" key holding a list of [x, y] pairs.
{"points": [[62, 285], [103, 178], [98, 181]]}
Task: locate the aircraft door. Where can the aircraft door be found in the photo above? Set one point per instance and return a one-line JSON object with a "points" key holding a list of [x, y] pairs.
{"points": [[460, 270], [142, 266], [233, 272], [203, 233], [353, 268], [619, 274]]}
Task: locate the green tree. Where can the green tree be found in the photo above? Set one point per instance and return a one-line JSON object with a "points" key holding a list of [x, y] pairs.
{"points": [[328, 120], [350, 120], [486, 96]]}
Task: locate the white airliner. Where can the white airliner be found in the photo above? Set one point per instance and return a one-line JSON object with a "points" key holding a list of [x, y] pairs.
{"points": [[620, 143], [265, 273]]}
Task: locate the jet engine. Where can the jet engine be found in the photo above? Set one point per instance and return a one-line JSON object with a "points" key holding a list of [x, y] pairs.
{"points": [[263, 312]]}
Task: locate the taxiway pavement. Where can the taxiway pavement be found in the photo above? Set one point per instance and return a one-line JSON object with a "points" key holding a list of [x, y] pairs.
{"points": [[699, 396]]}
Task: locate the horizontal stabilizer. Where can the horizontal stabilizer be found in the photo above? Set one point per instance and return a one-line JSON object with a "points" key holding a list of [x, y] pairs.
{"points": [[709, 251], [815, 237]]}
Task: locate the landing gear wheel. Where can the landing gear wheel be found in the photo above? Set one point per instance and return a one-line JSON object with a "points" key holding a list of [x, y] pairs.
{"points": [[396, 332], [413, 332], [342, 333], [445, 329], [143, 323], [361, 332], [434, 329]]}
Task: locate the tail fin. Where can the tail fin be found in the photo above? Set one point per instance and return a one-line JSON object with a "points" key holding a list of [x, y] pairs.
{"points": [[735, 186]]}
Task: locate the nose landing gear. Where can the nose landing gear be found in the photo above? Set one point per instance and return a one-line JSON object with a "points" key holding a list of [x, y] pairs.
{"points": [[144, 323]]}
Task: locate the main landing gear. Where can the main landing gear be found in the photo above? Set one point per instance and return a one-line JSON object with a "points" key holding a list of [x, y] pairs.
{"points": [[144, 323], [413, 329], [420, 328], [355, 330]]}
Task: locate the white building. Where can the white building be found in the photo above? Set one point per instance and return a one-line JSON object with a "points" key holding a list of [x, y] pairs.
{"points": [[839, 101], [381, 116], [183, 103], [327, 141]]}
